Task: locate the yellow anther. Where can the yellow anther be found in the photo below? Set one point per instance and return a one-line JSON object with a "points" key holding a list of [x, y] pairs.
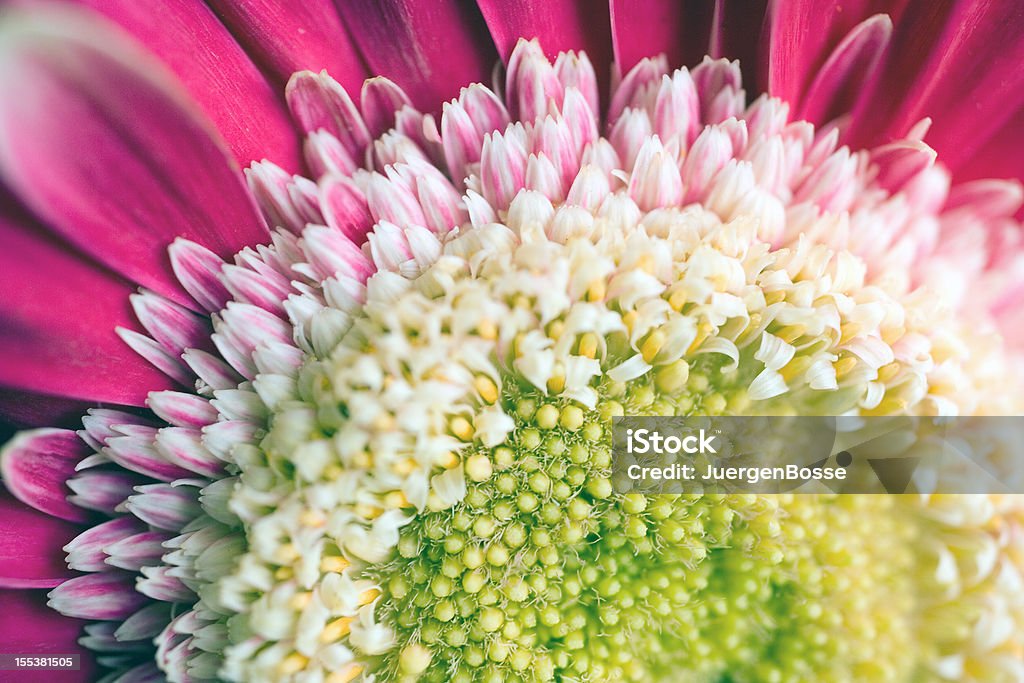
{"points": [[292, 664], [346, 675], [649, 349], [887, 372], [485, 386], [487, 329], [845, 365], [704, 330], [447, 460], [404, 467], [312, 518], [891, 335], [588, 345], [368, 596], [848, 331], [384, 422], [890, 405], [461, 428], [791, 333], [774, 297], [300, 600], [555, 329], [284, 573], [333, 471], [335, 564], [395, 499], [286, 554], [362, 460], [367, 511], [521, 301], [646, 263], [795, 367], [629, 319], [597, 290], [556, 384], [336, 630], [677, 300]]}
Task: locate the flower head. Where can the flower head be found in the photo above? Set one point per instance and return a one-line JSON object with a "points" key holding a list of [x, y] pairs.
{"points": [[388, 453]]}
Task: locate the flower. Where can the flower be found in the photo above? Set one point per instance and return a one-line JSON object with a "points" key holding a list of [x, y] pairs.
{"points": [[373, 441]]}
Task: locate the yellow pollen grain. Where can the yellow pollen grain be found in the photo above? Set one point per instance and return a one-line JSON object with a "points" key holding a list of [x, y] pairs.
{"points": [[300, 600], [395, 499], [774, 297], [404, 467], [649, 349], [887, 372], [336, 630], [677, 300], [845, 365], [346, 675], [368, 596], [888, 406], [284, 573], [334, 564], [521, 301], [384, 422], [556, 384], [367, 511], [292, 664], [487, 329], [597, 290], [704, 330], [629, 319], [797, 366], [286, 554], [848, 331], [461, 428], [555, 329], [485, 386], [588, 345], [891, 335], [312, 518], [333, 471], [447, 460], [362, 460], [645, 263], [791, 333]]}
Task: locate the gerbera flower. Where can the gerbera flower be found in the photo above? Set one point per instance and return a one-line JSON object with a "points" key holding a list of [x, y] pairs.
{"points": [[346, 416]]}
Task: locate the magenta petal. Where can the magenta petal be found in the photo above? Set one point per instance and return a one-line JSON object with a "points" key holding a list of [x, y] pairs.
{"points": [[104, 596], [96, 138], [30, 546], [25, 409], [59, 312], [36, 465], [290, 37], [560, 26], [216, 72], [841, 80], [646, 28], [27, 625], [430, 48]]}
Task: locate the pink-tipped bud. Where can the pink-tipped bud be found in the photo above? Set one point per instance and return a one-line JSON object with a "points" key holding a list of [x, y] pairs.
{"points": [[900, 162], [330, 252], [380, 99], [655, 181], [318, 102], [174, 326], [345, 208], [636, 87], [86, 552], [710, 152], [628, 135], [532, 84], [198, 270], [164, 506], [502, 168], [677, 110], [325, 154], [713, 76], [105, 596], [574, 70]]}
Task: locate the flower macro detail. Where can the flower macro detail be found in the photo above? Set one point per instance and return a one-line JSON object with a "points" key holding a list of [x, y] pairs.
{"points": [[395, 463]]}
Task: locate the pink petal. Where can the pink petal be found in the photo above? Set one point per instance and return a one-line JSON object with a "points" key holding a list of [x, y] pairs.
{"points": [[645, 28], [27, 625], [802, 33], [429, 48], [87, 552], [36, 466], [290, 37], [187, 36], [60, 312], [30, 546], [98, 140], [839, 83], [105, 596]]}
